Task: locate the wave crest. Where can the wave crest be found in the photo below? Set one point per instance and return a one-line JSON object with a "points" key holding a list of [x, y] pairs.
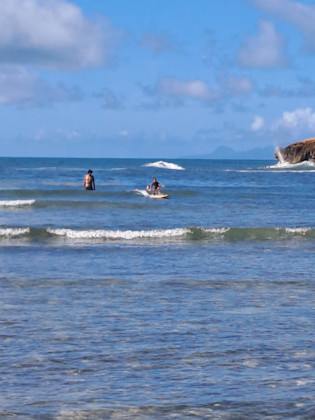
{"points": [[186, 234], [16, 203], [118, 234], [10, 232], [165, 165]]}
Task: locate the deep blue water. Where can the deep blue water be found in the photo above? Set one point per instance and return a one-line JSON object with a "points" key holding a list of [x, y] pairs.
{"points": [[115, 305]]}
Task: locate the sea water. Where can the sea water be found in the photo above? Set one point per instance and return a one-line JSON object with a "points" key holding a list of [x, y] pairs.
{"points": [[118, 306]]}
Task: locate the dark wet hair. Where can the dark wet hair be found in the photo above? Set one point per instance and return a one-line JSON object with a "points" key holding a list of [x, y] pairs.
{"points": [[90, 171]]}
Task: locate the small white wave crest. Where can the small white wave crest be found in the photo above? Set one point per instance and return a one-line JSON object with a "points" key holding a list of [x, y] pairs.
{"points": [[118, 234], [297, 230], [9, 232], [165, 165], [16, 203], [217, 231]]}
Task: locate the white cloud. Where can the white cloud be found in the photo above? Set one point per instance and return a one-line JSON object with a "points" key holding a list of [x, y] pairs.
{"points": [[258, 123], [16, 85], [264, 50], [194, 89], [53, 34], [299, 14], [299, 120], [21, 87]]}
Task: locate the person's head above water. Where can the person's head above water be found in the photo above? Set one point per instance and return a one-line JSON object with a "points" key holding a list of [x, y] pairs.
{"points": [[90, 171]]}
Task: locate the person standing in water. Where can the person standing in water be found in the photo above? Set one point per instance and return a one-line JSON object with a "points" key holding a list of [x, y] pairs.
{"points": [[89, 181], [155, 185]]}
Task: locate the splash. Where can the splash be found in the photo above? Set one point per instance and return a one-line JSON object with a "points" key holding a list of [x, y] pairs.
{"points": [[283, 164], [282, 161]]}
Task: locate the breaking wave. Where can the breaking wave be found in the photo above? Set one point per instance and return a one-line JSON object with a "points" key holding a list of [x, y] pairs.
{"points": [[165, 165], [11, 232], [186, 234], [16, 203], [119, 234]]}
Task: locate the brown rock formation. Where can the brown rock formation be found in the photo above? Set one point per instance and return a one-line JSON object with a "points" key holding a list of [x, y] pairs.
{"points": [[297, 152]]}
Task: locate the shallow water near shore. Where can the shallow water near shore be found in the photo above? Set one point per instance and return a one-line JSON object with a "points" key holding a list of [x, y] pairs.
{"points": [[117, 306]]}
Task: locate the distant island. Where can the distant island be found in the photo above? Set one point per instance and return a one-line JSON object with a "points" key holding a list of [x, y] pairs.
{"points": [[297, 152], [224, 152], [300, 151]]}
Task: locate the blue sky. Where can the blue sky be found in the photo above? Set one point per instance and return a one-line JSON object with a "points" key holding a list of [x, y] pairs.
{"points": [[154, 78]]}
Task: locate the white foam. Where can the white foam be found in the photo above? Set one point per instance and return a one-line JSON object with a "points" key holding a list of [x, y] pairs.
{"points": [[287, 165], [9, 232], [16, 203], [165, 165], [251, 363], [118, 234], [302, 382], [143, 192], [218, 231], [297, 230], [44, 168]]}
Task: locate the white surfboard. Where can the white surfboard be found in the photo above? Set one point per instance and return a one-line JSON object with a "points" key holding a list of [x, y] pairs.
{"points": [[146, 194], [159, 195]]}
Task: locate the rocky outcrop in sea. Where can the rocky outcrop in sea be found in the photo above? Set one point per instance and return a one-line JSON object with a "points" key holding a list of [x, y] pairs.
{"points": [[297, 152]]}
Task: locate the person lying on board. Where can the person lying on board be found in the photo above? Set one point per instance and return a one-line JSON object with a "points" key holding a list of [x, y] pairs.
{"points": [[155, 185]]}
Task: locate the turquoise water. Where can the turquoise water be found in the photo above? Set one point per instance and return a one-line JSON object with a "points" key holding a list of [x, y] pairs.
{"points": [[116, 305]]}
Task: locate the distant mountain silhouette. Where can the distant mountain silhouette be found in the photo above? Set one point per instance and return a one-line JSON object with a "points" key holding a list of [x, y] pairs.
{"points": [[223, 152]]}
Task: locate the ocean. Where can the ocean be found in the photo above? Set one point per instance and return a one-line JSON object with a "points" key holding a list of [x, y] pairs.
{"points": [[115, 305]]}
